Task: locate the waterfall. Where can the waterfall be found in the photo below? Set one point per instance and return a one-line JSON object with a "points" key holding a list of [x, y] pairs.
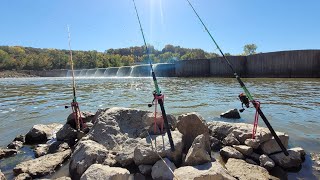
{"points": [[111, 71], [124, 71], [141, 71]]}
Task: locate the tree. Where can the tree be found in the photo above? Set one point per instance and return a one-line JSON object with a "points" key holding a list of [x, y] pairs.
{"points": [[249, 49]]}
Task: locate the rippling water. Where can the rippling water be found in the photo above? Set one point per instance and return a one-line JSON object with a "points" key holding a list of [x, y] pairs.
{"points": [[291, 105]]}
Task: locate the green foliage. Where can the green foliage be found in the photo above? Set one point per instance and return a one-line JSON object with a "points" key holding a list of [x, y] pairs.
{"points": [[28, 58], [249, 49]]}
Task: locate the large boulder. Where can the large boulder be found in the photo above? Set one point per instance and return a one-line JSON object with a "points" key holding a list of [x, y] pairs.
{"points": [[86, 153], [315, 157], [20, 137], [163, 169], [148, 119], [4, 153], [207, 171], [23, 176], [43, 165], [246, 150], [41, 150], [231, 114], [271, 146], [199, 152], [241, 170], [2, 177], [215, 144], [145, 169], [293, 161], [15, 145], [145, 152], [86, 117], [230, 140], [104, 172], [266, 162], [67, 134], [40, 133], [191, 125], [230, 152]]}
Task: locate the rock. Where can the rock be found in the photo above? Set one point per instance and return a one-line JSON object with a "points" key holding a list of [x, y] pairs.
{"points": [[67, 134], [239, 169], [40, 133], [145, 154], [2, 177], [252, 143], [137, 176], [21, 138], [104, 172], [246, 150], [271, 146], [145, 169], [242, 135], [263, 136], [293, 161], [300, 150], [148, 120], [125, 157], [199, 152], [230, 152], [216, 144], [41, 150], [43, 165], [315, 157], [231, 114], [266, 162], [161, 171], [4, 153], [250, 161], [86, 117], [63, 178], [208, 171], [230, 140], [58, 146], [191, 125], [23, 176], [87, 153], [254, 156], [15, 145]]}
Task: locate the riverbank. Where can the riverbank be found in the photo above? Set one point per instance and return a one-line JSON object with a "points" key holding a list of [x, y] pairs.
{"points": [[15, 74], [122, 142]]}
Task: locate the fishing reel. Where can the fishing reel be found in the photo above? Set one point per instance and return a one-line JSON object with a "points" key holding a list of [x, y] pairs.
{"points": [[244, 101], [154, 93]]}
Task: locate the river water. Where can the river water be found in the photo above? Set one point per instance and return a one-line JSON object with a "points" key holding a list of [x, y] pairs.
{"points": [[291, 105]]}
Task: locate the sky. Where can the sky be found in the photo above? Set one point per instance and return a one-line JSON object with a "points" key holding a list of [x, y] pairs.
{"points": [[272, 25]]}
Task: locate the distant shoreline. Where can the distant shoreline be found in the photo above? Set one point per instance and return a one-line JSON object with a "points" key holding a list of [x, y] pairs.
{"points": [[14, 74]]}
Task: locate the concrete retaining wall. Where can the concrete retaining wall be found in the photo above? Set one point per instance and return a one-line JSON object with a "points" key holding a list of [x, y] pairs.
{"points": [[193, 68], [164, 70], [219, 67]]}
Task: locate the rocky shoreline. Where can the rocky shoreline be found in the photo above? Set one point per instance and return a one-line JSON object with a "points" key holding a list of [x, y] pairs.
{"points": [[14, 74], [121, 143]]}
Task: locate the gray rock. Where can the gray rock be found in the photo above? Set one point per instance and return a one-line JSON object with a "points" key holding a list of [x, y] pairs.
{"points": [[21, 138], [40, 133], [145, 169], [43, 165], [15, 145], [86, 117], [87, 153], [199, 151], [230, 152], [161, 171], [191, 125], [250, 161], [216, 144], [246, 150], [58, 146], [23, 176], [208, 171], [4, 153], [241, 170], [292, 161], [138, 176], [148, 119], [252, 143], [230, 140], [2, 177], [266, 162], [104, 172], [242, 135], [315, 157], [63, 178], [254, 156], [300, 150], [263, 136], [231, 114], [145, 154], [41, 150], [271, 146], [67, 134]]}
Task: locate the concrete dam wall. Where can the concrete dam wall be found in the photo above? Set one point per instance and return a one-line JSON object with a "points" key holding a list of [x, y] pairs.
{"points": [[299, 63]]}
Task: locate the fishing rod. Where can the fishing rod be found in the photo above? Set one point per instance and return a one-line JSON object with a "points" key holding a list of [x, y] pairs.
{"points": [[74, 103], [157, 94], [255, 103]]}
